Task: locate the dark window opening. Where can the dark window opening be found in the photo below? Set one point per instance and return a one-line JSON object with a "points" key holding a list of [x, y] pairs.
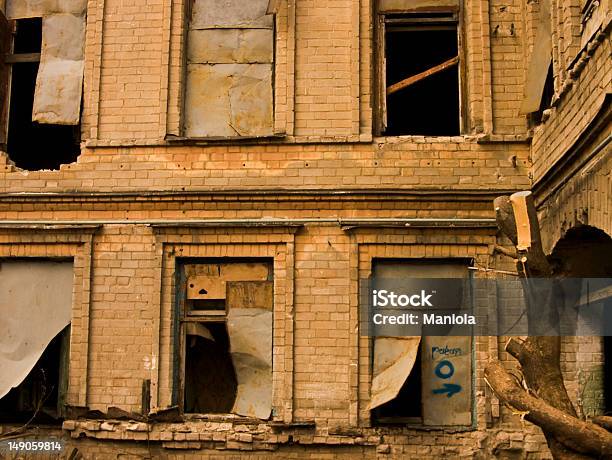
{"points": [[547, 94], [32, 145], [28, 36], [422, 397], [210, 379], [406, 407], [218, 346], [431, 105], [41, 396]]}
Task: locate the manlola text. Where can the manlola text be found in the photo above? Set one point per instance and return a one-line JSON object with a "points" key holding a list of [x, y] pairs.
{"points": [[423, 318]]}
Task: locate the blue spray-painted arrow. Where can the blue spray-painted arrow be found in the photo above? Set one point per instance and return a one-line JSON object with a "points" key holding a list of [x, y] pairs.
{"points": [[450, 388]]}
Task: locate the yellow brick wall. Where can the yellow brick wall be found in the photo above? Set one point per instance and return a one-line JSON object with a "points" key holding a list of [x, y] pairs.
{"points": [[576, 108], [328, 166]]}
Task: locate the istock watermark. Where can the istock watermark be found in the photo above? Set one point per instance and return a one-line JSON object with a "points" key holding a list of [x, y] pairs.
{"points": [[395, 307]]}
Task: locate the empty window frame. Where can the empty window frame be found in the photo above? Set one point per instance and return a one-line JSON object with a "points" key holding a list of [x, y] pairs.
{"points": [[229, 70], [413, 382], [39, 126], [225, 337], [419, 78]]}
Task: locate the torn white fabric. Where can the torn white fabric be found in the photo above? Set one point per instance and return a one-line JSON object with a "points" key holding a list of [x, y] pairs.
{"points": [[35, 306], [22, 9], [59, 83], [394, 359]]}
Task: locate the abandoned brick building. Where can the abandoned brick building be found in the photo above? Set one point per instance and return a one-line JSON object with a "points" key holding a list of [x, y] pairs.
{"points": [[188, 185]]}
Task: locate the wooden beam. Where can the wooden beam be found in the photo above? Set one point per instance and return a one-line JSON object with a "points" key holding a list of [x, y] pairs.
{"points": [[420, 76], [21, 57]]}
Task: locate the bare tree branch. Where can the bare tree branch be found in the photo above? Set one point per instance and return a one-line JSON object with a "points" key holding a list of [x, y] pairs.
{"points": [[577, 435]]}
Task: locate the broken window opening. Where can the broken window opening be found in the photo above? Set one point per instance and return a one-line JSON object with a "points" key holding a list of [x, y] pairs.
{"points": [[42, 395], [406, 406], [406, 387], [210, 378], [421, 68], [32, 145], [36, 294], [225, 311], [535, 118]]}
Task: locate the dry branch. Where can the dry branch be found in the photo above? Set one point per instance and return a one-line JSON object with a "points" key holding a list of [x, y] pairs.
{"points": [[579, 436], [603, 421], [506, 252], [546, 403]]}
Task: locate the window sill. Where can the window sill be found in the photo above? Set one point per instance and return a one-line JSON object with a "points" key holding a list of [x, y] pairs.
{"points": [[180, 140], [460, 139], [223, 418], [415, 423]]}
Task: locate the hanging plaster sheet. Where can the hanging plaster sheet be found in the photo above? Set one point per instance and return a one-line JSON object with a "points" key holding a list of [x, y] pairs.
{"points": [[59, 83], [212, 14], [35, 305], [394, 359], [249, 325], [22, 9], [228, 100], [229, 71]]}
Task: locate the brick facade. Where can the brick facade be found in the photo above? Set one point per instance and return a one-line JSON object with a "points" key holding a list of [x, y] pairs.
{"points": [[311, 198]]}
